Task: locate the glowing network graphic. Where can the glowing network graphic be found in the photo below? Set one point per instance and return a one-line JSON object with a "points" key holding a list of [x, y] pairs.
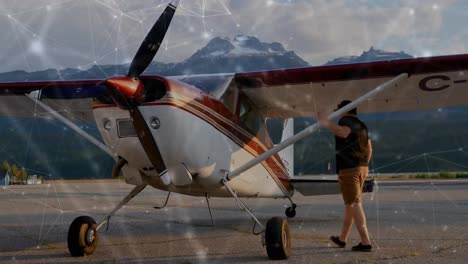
{"points": [[60, 34]]}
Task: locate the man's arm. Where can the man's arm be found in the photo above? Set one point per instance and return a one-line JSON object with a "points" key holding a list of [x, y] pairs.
{"points": [[339, 131]]}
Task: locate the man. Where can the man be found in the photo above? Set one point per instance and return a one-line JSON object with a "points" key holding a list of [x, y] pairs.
{"points": [[353, 153]]}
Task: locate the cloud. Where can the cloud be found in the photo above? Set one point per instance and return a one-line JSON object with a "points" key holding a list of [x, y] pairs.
{"points": [[320, 30], [80, 33]]}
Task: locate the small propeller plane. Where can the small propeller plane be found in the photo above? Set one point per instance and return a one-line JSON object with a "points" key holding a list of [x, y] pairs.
{"points": [[206, 135]]}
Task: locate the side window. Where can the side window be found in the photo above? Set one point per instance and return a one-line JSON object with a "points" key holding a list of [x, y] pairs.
{"points": [[252, 119], [229, 99]]}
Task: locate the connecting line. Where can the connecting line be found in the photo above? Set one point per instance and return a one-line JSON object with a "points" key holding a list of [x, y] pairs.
{"points": [[311, 129], [73, 126], [127, 199], [243, 206]]}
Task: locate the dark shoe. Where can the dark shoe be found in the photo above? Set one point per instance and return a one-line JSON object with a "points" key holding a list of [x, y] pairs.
{"points": [[362, 248], [337, 241]]}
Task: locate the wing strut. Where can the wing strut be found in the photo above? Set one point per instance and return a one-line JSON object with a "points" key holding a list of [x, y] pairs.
{"points": [[72, 125], [311, 129]]}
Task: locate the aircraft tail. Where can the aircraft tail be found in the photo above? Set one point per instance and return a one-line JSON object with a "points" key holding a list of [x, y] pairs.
{"points": [[287, 154]]}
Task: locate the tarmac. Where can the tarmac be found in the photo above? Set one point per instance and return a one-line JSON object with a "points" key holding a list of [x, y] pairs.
{"points": [[409, 222]]}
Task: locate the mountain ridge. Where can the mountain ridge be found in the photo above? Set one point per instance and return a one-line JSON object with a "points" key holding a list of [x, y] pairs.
{"points": [[371, 55], [220, 55]]}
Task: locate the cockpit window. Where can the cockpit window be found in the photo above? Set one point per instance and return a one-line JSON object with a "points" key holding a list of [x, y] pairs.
{"points": [[251, 118]]}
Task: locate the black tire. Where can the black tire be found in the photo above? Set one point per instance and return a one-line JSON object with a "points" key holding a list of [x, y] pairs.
{"points": [[278, 239], [290, 212], [78, 244]]}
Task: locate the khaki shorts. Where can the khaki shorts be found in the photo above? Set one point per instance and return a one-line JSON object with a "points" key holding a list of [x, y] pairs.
{"points": [[351, 182]]}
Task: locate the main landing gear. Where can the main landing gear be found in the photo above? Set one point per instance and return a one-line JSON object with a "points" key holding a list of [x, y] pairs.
{"points": [[275, 237], [278, 239], [82, 236], [83, 232]]}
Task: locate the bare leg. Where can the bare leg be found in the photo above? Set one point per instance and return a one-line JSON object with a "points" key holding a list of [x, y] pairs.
{"points": [[347, 223], [360, 221]]}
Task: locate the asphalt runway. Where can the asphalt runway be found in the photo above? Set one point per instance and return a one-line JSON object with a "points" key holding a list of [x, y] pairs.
{"points": [[409, 222]]}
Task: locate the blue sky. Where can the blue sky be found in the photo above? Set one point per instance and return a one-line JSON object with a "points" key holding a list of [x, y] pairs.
{"points": [[40, 34]]}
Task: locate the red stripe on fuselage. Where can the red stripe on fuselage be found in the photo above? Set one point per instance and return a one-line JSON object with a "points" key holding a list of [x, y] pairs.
{"points": [[238, 135], [235, 126]]}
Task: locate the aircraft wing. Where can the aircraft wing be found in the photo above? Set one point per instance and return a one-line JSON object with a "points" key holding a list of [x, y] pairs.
{"points": [[72, 99], [434, 82]]}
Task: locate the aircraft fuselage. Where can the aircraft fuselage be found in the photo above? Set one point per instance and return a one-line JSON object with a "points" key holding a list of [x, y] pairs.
{"points": [[194, 130]]}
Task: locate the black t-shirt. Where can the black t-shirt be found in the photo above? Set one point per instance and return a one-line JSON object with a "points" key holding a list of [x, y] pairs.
{"points": [[353, 151]]}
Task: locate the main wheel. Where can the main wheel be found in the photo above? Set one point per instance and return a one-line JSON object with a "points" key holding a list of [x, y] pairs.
{"points": [[277, 238], [82, 236]]}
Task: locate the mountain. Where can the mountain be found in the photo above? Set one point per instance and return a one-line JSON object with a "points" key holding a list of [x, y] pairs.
{"points": [[242, 53], [220, 55], [238, 45], [371, 55]]}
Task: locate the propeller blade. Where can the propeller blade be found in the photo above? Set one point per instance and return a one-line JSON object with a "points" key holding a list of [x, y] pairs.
{"points": [[152, 42], [147, 140]]}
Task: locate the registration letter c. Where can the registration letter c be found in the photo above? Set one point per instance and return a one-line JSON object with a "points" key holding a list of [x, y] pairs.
{"points": [[423, 84]]}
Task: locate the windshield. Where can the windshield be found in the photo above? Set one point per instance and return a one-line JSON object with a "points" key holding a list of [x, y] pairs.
{"points": [[212, 84]]}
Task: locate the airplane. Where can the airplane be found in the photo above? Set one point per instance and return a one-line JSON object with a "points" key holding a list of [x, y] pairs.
{"points": [[206, 135]]}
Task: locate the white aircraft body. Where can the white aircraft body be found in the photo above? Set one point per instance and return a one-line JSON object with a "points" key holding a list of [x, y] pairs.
{"points": [[206, 135]]}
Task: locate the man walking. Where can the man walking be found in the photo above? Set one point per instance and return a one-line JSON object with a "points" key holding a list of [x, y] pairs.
{"points": [[353, 153]]}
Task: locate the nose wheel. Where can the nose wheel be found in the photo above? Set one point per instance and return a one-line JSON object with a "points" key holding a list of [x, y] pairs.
{"points": [[82, 236]]}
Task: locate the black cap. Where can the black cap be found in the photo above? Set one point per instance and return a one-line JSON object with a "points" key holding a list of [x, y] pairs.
{"points": [[343, 104]]}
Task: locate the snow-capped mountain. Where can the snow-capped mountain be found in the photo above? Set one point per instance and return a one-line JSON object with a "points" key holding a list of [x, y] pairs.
{"points": [[371, 55], [239, 45], [242, 53]]}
